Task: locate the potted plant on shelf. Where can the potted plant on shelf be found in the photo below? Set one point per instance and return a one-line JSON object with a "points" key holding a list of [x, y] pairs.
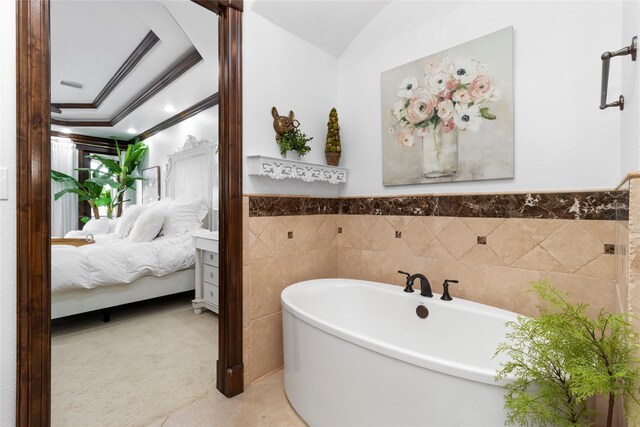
{"points": [[293, 144], [564, 357], [333, 149]]}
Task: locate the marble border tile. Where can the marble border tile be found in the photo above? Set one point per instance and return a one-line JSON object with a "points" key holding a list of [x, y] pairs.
{"points": [[602, 205]]}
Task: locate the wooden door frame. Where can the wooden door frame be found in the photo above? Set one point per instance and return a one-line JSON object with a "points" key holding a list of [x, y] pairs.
{"points": [[33, 165]]}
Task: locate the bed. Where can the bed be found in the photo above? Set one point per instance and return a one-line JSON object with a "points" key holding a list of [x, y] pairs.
{"points": [[116, 271]]}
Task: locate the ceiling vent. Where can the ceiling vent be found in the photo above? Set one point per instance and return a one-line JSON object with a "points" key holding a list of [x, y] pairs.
{"points": [[71, 84]]}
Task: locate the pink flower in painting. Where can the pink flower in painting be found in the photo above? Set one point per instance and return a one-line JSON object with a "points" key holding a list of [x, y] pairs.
{"points": [[447, 126], [444, 95], [461, 96], [406, 138], [421, 132], [445, 109], [480, 88], [452, 84], [421, 108]]}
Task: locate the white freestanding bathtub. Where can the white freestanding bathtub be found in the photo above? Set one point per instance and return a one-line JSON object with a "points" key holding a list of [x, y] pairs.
{"points": [[357, 354]]}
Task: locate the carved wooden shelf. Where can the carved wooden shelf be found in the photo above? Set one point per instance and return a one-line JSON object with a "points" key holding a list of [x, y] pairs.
{"points": [[308, 172]]}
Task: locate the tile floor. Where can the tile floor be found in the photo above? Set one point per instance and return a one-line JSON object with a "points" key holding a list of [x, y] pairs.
{"points": [[264, 403]]}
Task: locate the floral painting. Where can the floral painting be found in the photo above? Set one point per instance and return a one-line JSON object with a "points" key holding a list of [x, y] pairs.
{"points": [[449, 116]]}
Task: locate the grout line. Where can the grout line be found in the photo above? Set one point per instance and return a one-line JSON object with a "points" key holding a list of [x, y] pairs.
{"points": [[266, 315], [263, 376]]}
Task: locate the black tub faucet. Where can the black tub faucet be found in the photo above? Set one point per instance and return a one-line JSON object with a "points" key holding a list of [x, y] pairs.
{"points": [[425, 286], [445, 295]]}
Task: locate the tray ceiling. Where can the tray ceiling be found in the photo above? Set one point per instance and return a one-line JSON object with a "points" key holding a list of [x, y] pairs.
{"points": [[91, 40], [330, 25]]}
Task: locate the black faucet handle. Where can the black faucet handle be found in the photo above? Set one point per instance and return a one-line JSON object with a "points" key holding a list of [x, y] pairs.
{"points": [[445, 294], [408, 287]]}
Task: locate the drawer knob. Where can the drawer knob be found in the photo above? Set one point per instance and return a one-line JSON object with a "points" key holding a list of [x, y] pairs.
{"points": [[211, 293], [211, 257], [211, 275]]}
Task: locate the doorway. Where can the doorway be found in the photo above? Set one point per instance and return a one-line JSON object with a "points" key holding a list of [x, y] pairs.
{"points": [[34, 210]]}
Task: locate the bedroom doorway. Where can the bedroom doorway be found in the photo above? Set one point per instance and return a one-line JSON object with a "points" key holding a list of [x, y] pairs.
{"points": [[34, 210]]}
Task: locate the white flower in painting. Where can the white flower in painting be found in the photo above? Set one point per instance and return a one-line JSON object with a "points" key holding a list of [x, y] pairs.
{"points": [[398, 108], [436, 82], [445, 109], [461, 96], [464, 70], [432, 66], [407, 87], [406, 138], [483, 68], [467, 118]]}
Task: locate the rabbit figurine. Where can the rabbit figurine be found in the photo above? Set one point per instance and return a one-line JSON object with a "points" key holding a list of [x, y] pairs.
{"points": [[283, 124]]}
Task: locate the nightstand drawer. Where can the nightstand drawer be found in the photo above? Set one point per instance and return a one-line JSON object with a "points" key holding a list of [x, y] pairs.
{"points": [[210, 274], [210, 293], [210, 258]]}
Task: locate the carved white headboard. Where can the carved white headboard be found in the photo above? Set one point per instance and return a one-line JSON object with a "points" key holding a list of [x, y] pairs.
{"points": [[192, 171]]}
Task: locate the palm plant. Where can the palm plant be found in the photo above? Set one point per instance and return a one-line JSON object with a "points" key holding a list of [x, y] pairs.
{"points": [[122, 171], [116, 174], [91, 190]]}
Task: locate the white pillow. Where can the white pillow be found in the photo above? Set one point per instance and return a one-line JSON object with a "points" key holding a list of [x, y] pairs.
{"points": [[162, 202], [128, 219], [113, 223], [148, 226], [182, 216], [96, 226]]}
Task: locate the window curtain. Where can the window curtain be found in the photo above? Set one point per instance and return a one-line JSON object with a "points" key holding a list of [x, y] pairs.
{"points": [[64, 211]]}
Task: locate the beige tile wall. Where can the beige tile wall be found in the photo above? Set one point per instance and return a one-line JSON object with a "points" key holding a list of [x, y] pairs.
{"points": [[273, 261], [499, 273]]}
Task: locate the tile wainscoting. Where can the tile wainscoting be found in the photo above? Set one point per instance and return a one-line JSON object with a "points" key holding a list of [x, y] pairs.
{"points": [[495, 245]]}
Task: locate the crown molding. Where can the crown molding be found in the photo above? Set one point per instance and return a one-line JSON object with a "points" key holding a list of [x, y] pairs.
{"points": [[181, 66], [206, 103], [90, 140], [127, 67]]}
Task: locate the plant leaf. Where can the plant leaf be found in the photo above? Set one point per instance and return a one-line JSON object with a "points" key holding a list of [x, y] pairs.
{"points": [[484, 112]]}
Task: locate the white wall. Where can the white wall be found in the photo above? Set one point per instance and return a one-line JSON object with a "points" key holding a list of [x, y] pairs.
{"points": [[282, 70], [202, 125], [8, 216], [630, 117], [562, 140]]}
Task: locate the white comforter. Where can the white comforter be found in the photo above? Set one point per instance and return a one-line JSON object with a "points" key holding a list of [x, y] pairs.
{"points": [[112, 261]]}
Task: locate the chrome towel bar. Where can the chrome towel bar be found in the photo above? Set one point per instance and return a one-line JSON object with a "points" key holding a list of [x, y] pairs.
{"points": [[632, 50]]}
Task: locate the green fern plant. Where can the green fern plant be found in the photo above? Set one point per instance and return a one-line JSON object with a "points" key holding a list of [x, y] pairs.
{"points": [[294, 140], [562, 358]]}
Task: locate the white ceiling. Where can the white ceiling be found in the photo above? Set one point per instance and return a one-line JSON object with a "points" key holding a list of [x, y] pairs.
{"points": [[330, 25], [90, 40]]}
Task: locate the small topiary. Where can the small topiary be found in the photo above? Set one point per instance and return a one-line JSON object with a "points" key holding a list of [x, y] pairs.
{"points": [[333, 133], [333, 148]]}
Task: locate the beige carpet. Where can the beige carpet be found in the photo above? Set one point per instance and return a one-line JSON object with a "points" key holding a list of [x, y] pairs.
{"points": [[151, 360]]}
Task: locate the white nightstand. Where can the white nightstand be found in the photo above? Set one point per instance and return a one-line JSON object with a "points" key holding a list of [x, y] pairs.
{"points": [[206, 244]]}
